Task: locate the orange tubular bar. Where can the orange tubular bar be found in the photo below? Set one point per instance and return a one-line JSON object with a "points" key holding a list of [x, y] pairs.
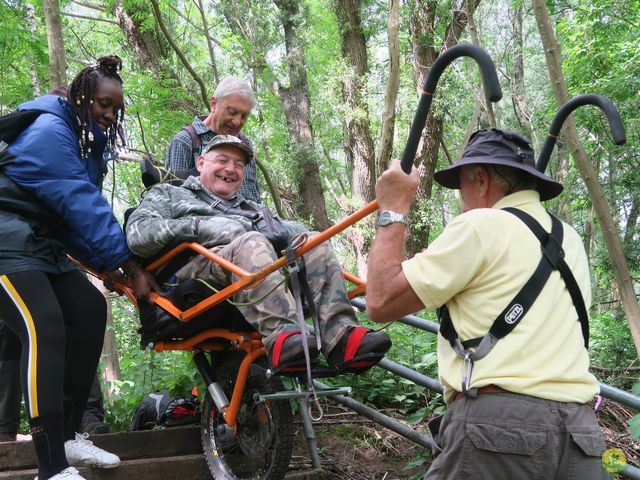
{"points": [[202, 251], [241, 339], [230, 414], [318, 239], [361, 284]]}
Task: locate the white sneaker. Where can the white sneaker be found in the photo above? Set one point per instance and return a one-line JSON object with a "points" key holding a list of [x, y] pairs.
{"points": [[67, 474], [83, 452]]}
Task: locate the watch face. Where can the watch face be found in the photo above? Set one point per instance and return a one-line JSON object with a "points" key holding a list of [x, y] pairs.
{"points": [[388, 217], [385, 218]]}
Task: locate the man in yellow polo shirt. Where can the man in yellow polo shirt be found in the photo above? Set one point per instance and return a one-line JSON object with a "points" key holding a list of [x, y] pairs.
{"points": [[517, 403]]}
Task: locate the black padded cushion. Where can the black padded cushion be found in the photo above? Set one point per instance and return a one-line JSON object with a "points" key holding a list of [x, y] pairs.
{"points": [[159, 325]]}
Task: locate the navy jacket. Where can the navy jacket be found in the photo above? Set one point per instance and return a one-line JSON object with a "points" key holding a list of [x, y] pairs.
{"points": [[50, 203]]}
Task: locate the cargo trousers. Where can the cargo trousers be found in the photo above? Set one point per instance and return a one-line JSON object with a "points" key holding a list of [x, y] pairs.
{"points": [[508, 436], [269, 307]]}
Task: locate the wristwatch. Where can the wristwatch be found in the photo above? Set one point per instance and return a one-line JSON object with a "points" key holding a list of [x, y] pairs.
{"points": [[387, 217]]}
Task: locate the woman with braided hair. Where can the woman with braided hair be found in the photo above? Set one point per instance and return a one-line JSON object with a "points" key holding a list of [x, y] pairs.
{"points": [[51, 207]]}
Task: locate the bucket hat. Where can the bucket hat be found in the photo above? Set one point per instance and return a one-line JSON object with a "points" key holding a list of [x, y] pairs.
{"points": [[500, 147]]}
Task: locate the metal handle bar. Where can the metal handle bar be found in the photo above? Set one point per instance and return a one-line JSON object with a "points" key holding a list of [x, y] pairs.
{"points": [[489, 79], [606, 105]]}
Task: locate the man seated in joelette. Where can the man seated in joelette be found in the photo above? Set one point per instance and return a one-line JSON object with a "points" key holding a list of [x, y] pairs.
{"points": [[205, 208]]}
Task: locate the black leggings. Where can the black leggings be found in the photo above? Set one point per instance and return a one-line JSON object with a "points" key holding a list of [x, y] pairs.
{"points": [[60, 321]]}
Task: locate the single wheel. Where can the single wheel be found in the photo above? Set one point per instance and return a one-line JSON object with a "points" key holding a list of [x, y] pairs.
{"points": [[260, 448]]}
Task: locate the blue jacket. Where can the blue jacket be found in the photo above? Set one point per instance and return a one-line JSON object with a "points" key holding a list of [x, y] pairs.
{"points": [[50, 203]]}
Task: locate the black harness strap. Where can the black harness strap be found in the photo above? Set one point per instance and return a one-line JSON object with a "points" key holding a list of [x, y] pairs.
{"points": [[510, 317], [218, 205], [559, 264]]}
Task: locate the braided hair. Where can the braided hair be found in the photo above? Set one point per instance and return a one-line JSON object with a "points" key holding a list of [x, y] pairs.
{"points": [[81, 94]]}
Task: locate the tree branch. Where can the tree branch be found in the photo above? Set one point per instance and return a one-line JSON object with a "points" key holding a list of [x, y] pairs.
{"points": [[181, 56], [393, 84], [187, 20], [212, 54], [144, 142], [92, 6], [86, 17]]}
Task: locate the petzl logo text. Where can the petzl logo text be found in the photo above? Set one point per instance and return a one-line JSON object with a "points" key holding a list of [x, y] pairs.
{"points": [[514, 314]]}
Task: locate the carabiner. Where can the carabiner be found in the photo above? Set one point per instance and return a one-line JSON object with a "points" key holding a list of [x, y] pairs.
{"points": [[467, 372]]}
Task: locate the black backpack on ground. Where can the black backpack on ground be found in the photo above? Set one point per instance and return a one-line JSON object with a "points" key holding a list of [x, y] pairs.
{"points": [[164, 410]]}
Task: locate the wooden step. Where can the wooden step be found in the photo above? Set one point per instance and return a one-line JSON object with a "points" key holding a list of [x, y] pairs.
{"points": [[169, 442], [192, 467], [167, 454]]}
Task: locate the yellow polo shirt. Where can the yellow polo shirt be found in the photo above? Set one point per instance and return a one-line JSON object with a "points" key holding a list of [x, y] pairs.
{"points": [[476, 267]]}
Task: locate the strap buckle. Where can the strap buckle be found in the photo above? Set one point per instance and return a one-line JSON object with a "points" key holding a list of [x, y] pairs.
{"points": [[552, 250], [467, 371]]}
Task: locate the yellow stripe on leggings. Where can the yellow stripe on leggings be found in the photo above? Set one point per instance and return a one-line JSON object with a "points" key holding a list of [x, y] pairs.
{"points": [[32, 369]]}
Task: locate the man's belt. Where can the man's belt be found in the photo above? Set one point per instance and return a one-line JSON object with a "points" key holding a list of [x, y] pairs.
{"points": [[485, 389]]}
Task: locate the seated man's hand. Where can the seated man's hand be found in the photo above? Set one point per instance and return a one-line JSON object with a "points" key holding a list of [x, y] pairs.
{"points": [[143, 283]]}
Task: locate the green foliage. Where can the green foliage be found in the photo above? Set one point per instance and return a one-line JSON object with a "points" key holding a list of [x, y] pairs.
{"points": [[412, 348], [23, 55], [634, 422], [144, 371], [611, 347]]}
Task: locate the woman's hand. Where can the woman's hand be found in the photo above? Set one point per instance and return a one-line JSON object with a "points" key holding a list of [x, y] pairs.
{"points": [[112, 279]]}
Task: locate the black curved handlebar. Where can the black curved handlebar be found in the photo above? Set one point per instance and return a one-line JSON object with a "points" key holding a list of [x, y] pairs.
{"points": [[489, 79], [606, 105]]}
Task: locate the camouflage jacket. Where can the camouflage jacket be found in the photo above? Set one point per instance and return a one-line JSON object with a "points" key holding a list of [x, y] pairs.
{"points": [[171, 214]]}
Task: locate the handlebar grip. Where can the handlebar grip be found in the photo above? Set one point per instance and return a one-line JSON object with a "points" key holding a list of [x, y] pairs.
{"points": [[606, 105], [489, 79]]}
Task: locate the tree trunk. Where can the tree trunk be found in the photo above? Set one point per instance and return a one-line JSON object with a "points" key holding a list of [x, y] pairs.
{"points": [[110, 359], [297, 110], [143, 43], [31, 21], [204, 96], [57, 62], [473, 32], [632, 221], [423, 26], [521, 109], [393, 84], [212, 53], [359, 144], [563, 207], [589, 174]]}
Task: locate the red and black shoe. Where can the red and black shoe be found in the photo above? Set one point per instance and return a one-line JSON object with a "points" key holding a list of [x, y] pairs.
{"points": [[287, 352], [358, 350]]}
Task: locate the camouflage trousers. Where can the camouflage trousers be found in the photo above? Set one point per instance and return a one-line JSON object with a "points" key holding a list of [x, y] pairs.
{"points": [[271, 314]]}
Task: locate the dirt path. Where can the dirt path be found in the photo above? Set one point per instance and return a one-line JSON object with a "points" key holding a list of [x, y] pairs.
{"points": [[354, 448]]}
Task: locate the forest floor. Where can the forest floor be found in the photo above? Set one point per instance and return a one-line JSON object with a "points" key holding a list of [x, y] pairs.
{"points": [[355, 448]]}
